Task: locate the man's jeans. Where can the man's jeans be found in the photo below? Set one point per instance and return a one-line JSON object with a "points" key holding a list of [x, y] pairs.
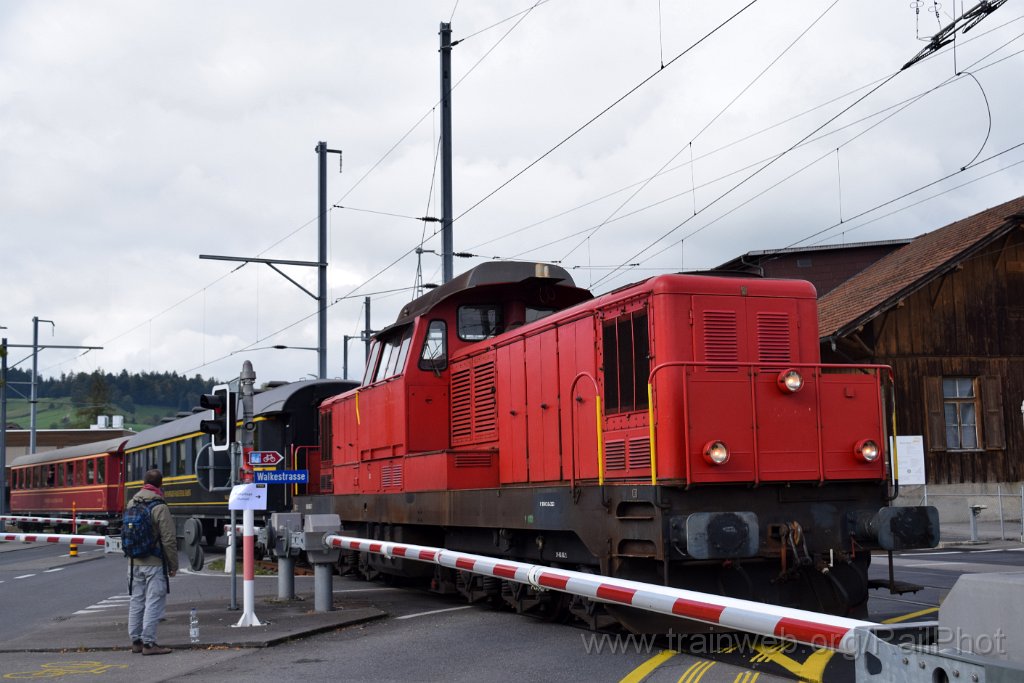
{"points": [[149, 597]]}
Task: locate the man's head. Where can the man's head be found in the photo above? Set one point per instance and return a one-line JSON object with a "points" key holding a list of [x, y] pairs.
{"points": [[154, 477]]}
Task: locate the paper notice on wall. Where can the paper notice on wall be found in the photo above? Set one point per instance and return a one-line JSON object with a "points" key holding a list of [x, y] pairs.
{"points": [[248, 497], [910, 460]]}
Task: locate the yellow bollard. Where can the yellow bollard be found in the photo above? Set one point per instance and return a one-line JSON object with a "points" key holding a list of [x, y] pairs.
{"points": [[73, 550]]}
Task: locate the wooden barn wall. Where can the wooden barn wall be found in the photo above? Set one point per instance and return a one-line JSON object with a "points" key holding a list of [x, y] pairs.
{"points": [[968, 323]]}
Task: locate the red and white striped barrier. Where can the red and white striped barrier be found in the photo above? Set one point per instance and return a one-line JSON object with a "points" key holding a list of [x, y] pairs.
{"points": [[56, 538], [54, 520], [811, 628]]}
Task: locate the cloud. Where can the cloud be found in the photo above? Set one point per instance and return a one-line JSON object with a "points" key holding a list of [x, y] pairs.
{"points": [[135, 137]]}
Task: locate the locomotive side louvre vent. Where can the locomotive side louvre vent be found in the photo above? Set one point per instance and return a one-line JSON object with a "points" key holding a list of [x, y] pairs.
{"points": [[474, 403], [462, 405], [326, 483], [615, 455], [485, 405], [773, 340], [391, 475], [472, 460], [721, 342], [639, 453]]}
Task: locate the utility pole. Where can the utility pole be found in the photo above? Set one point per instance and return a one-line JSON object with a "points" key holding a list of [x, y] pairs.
{"points": [[322, 151], [367, 331], [33, 400], [3, 429], [447, 241]]}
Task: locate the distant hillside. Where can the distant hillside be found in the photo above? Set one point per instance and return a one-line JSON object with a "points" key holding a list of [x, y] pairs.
{"points": [[73, 401]]}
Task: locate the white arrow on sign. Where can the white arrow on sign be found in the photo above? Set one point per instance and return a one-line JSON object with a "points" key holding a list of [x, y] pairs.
{"points": [[265, 458]]}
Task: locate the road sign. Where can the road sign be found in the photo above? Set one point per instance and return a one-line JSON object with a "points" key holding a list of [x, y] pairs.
{"points": [[265, 458], [248, 497], [281, 476]]}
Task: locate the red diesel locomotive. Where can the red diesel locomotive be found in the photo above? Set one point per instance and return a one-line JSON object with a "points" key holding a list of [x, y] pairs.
{"points": [[680, 430]]}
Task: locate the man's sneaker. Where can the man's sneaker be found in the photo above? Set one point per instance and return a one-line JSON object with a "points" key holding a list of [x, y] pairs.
{"points": [[154, 649], [136, 647]]}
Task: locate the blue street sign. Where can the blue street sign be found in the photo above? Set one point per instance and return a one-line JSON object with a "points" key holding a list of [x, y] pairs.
{"points": [[281, 476]]}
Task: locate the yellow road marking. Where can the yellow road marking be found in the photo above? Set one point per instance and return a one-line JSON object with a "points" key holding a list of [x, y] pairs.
{"points": [[696, 671], [811, 669], [912, 615], [638, 674], [62, 669], [747, 677]]}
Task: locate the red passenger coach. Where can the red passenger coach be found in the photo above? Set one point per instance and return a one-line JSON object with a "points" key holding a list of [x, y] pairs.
{"points": [[680, 430], [87, 479]]}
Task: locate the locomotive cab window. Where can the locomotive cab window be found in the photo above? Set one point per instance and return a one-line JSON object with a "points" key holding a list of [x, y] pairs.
{"points": [[626, 362], [480, 321], [371, 362], [434, 356], [394, 351]]}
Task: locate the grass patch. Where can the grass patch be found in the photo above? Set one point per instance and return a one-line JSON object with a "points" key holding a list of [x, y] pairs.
{"points": [[218, 566]]}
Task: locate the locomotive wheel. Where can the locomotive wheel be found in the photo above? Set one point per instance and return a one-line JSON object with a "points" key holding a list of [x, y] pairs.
{"points": [[549, 606]]}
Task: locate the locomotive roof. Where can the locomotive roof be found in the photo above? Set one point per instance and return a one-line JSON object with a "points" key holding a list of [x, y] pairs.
{"points": [[488, 273]]}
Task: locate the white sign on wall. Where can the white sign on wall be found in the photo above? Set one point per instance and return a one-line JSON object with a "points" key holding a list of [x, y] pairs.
{"points": [[910, 460]]}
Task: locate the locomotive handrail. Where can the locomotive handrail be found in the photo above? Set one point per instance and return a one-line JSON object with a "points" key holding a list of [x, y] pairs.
{"points": [[818, 367], [600, 434]]}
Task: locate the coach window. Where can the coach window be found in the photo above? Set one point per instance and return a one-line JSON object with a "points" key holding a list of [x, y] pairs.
{"points": [[60, 476], [90, 471], [51, 473], [182, 447], [434, 356], [481, 321], [626, 362], [101, 465]]}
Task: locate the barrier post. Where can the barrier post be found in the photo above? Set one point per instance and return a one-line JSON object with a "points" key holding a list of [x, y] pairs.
{"points": [[73, 547], [248, 570]]}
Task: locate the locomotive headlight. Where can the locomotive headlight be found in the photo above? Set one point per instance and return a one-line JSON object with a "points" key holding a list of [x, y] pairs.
{"points": [[790, 381], [716, 452], [866, 450]]}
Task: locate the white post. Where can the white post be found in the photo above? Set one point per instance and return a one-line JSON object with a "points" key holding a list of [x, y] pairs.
{"points": [[248, 570], [229, 556]]}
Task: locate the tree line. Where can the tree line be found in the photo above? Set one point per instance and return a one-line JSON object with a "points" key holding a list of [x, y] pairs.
{"points": [[102, 393]]}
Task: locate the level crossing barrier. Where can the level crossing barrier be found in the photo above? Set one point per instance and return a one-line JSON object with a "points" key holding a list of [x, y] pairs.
{"points": [[876, 660], [55, 520], [78, 539]]}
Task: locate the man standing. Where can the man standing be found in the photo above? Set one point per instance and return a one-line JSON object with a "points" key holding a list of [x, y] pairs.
{"points": [[148, 574]]}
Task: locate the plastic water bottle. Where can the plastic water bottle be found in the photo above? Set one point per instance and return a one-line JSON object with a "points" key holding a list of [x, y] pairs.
{"points": [[193, 626]]}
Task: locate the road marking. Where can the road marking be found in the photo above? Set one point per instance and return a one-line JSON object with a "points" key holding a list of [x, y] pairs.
{"points": [[55, 569], [912, 615], [25, 576], [811, 669], [747, 677], [639, 673], [67, 668], [944, 552], [436, 611], [696, 671], [366, 590]]}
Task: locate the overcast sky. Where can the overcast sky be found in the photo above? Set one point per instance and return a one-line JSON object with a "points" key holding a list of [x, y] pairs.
{"points": [[136, 136]]}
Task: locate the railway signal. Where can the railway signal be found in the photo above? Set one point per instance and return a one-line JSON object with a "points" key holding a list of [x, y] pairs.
{"points": [[221, 425]]}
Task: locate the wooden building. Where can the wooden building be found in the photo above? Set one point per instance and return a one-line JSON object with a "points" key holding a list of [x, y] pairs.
{"points": [[947, 313], [825, 266]]}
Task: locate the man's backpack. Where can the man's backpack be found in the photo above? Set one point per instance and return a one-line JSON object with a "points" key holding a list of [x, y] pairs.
{"points": [[139, 536]]}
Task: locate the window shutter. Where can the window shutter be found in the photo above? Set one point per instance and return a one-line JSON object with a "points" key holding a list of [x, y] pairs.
{"points": [[936, 415], [992, 408]]}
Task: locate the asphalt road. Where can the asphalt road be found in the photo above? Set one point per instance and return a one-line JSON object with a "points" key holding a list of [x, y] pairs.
{"points": [[426, 637]]}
